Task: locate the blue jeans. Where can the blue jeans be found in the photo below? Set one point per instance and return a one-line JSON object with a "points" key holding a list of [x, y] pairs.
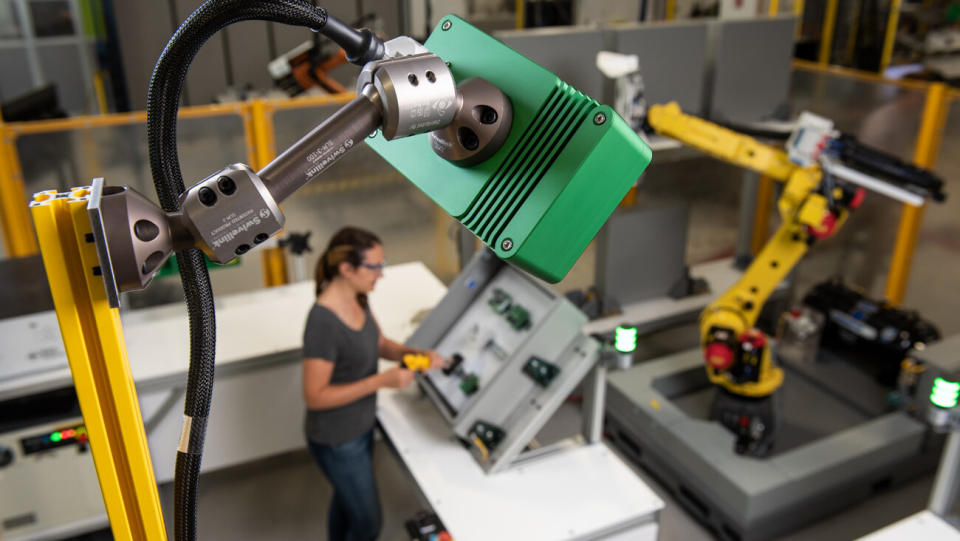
{"points": [[355, 510]]}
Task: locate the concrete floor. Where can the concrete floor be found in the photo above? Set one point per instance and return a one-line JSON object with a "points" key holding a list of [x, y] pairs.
{"points": [[285, 497]]}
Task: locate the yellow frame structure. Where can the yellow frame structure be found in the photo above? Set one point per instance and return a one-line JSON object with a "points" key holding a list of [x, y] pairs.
{"points": [[893, 20], [826, 34], [925, 154], [98, 361], [257, 117]]}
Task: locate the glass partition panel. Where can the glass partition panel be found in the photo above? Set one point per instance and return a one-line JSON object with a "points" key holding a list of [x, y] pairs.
{"points": [[60, 160], [934, 286], [884, 116]]}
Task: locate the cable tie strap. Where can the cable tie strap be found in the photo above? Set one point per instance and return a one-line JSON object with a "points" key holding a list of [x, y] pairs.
{"points": [[191, 437]]}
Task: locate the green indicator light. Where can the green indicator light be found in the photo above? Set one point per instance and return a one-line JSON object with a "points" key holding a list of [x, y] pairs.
{"points": [[55, 437], [625, 339], [945, 394]]}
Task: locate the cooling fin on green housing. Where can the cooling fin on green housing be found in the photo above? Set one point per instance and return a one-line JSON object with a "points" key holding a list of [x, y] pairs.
{"points": [[566, 164]]}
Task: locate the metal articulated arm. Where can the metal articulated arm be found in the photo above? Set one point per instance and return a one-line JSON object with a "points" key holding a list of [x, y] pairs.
{"points": [[737, 355]]}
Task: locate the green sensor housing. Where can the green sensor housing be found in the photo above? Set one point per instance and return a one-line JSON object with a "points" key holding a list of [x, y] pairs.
{"points": [[565, 166]]}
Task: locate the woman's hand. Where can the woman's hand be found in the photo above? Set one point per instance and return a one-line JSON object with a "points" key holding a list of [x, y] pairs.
{"points": [[436, 360], [397, 377]]}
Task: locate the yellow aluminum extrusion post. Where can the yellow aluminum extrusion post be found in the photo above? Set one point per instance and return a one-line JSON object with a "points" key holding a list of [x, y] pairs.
{"points": [[925, 155], [521, 14], [798, 6], [263, 138], [893, 20], [250, 136], [826, 34], [18, 236], [773, 8], [100, 92], [671, 10], [851, 44], [274, 260], [98, 362]]}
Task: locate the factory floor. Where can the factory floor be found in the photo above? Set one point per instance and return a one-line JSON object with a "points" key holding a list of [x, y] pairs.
{"points": [[286, 497]]}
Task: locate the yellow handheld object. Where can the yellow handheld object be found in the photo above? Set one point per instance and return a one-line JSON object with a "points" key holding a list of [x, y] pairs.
{"points": [[416, 362]]}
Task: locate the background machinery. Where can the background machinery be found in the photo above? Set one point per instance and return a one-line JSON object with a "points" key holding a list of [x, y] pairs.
{"points": [[818, 193]]}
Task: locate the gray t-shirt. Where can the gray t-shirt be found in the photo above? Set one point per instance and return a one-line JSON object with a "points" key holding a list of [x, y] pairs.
{"points": [[354, 355]]}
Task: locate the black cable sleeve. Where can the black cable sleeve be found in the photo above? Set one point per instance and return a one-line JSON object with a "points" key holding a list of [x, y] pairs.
{"points": [[169, 74], [186, 474], [163, 101]]}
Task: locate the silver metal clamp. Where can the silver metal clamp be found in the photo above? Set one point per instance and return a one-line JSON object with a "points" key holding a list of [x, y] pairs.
{"points": [[229, 212]]}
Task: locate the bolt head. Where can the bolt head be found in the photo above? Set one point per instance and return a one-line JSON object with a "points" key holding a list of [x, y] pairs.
{"points": [[600, 118], [446, 25], [507, 245]]}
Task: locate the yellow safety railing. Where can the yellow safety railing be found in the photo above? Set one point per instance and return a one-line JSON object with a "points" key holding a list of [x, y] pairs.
{"points": [[925, 153], [865, 76], [893, 19], [826, 36], [259, 132], [18, 234]]}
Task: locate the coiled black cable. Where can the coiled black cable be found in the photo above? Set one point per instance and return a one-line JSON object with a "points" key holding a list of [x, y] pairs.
{"points": [[163, 102]]}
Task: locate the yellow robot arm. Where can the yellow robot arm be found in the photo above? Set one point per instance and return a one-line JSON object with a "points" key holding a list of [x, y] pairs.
{"points": [[719, 142], [737, 355]]}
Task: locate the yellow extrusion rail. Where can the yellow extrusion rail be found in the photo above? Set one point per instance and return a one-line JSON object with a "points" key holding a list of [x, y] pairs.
{"points": [[925, 155], [312, 101], [18, 237], [98, 361], [859, 75], [893, 19], [826, 34], [272, 259], [798, 6]]}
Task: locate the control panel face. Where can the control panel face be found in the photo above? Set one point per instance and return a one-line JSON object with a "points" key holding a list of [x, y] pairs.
{"points": [[31, 344], [490, 331], [71, 435], [48, 482]]}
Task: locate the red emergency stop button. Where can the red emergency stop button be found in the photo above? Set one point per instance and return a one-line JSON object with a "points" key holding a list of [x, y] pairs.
{"points": [[718, 355], [826, 227]]}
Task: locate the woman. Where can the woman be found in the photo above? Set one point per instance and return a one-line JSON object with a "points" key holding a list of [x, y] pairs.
{"points": [[341, 345]]}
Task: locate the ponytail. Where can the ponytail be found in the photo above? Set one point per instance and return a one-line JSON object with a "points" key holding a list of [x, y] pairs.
{"points": [[347, 245]]}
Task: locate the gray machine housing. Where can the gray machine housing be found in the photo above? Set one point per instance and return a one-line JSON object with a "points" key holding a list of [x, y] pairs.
{"points": [[507, 397], [831, 452]]}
